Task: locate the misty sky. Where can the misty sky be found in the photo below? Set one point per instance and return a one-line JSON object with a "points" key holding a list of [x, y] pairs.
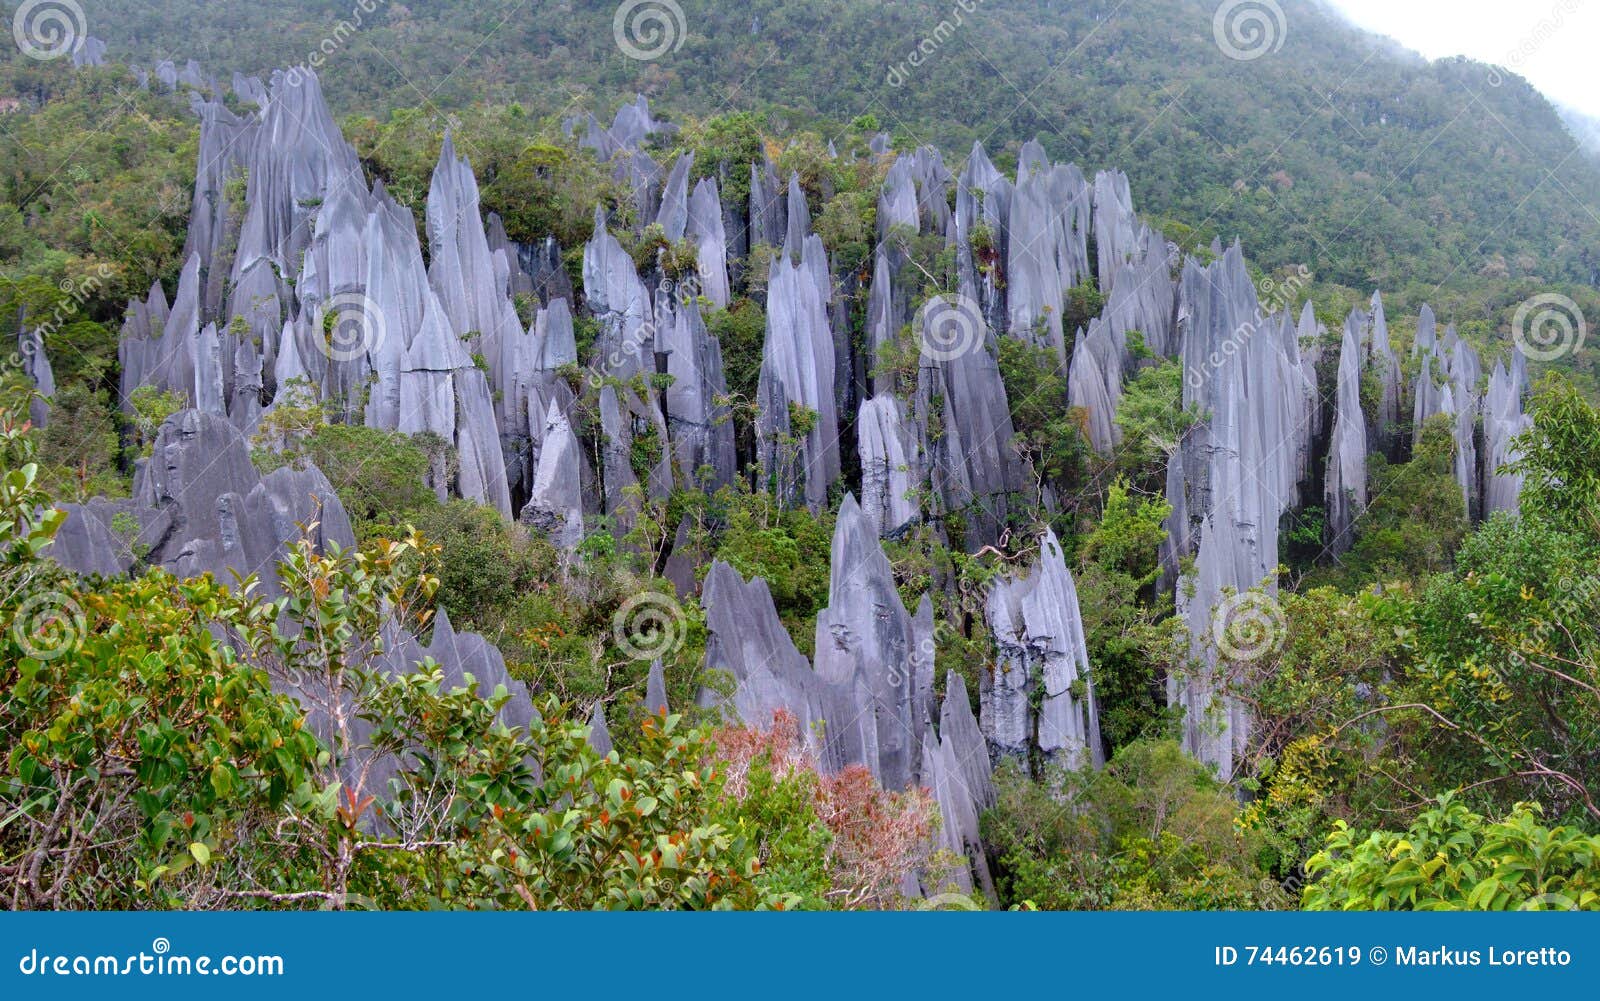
{"points": [[1554, 43]]}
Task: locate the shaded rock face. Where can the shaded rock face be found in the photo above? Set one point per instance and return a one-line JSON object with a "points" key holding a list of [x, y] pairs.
{"points": [[1232, 478], [1449, 383], [889, 467], [700, 427], [1346, 483], [1385, 364], [963, 424], [1039, 694], [1503, 421], [866, 643], [870, 701], [555, 504], [200, 507], [798, 371]]}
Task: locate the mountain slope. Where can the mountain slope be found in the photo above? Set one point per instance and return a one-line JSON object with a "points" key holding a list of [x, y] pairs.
{"points": [[1337, 150]]}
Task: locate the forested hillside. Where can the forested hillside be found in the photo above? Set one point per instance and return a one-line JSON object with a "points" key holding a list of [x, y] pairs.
{"points": [[1339, 151]]}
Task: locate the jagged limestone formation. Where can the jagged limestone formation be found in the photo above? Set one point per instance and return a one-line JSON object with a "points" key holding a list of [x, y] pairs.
{"points": [[890, 471], [555, 504], [90, 51], [867, 643], [701, 428], [655, 689], [870, 702], [1503, 421], [963, 422], [1233, 477], [1382, 360], [36, 368], [798, 425], [1039, 693], [1345, 490], [200, 507], [1449, 384], [599, 733], [708, 230]]}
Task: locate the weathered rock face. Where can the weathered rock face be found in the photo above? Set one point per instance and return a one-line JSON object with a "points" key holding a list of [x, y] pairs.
{"points": [[621, 303], [1047, 247], [1094, 383], [890, 471], [36, 367], [201, 508], [90, 51], [866, 643], [1039, 693], [1385, 364], [707, 229], [700, 428], [1448, 384], [1503, 421], [870, 702], [963, 421], [798, 368], [555, 504], [1346, 483], [1233, 477]]}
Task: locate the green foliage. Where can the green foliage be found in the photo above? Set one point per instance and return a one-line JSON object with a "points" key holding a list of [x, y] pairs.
{"points": [[150, 407], [381, 476], [484, 564], [1153, 421], [1561, 458], [1151, 832], [1451, 859], [1417, 517], [788, 548], [78, 449], [1050, 433], [1118, 567]]}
